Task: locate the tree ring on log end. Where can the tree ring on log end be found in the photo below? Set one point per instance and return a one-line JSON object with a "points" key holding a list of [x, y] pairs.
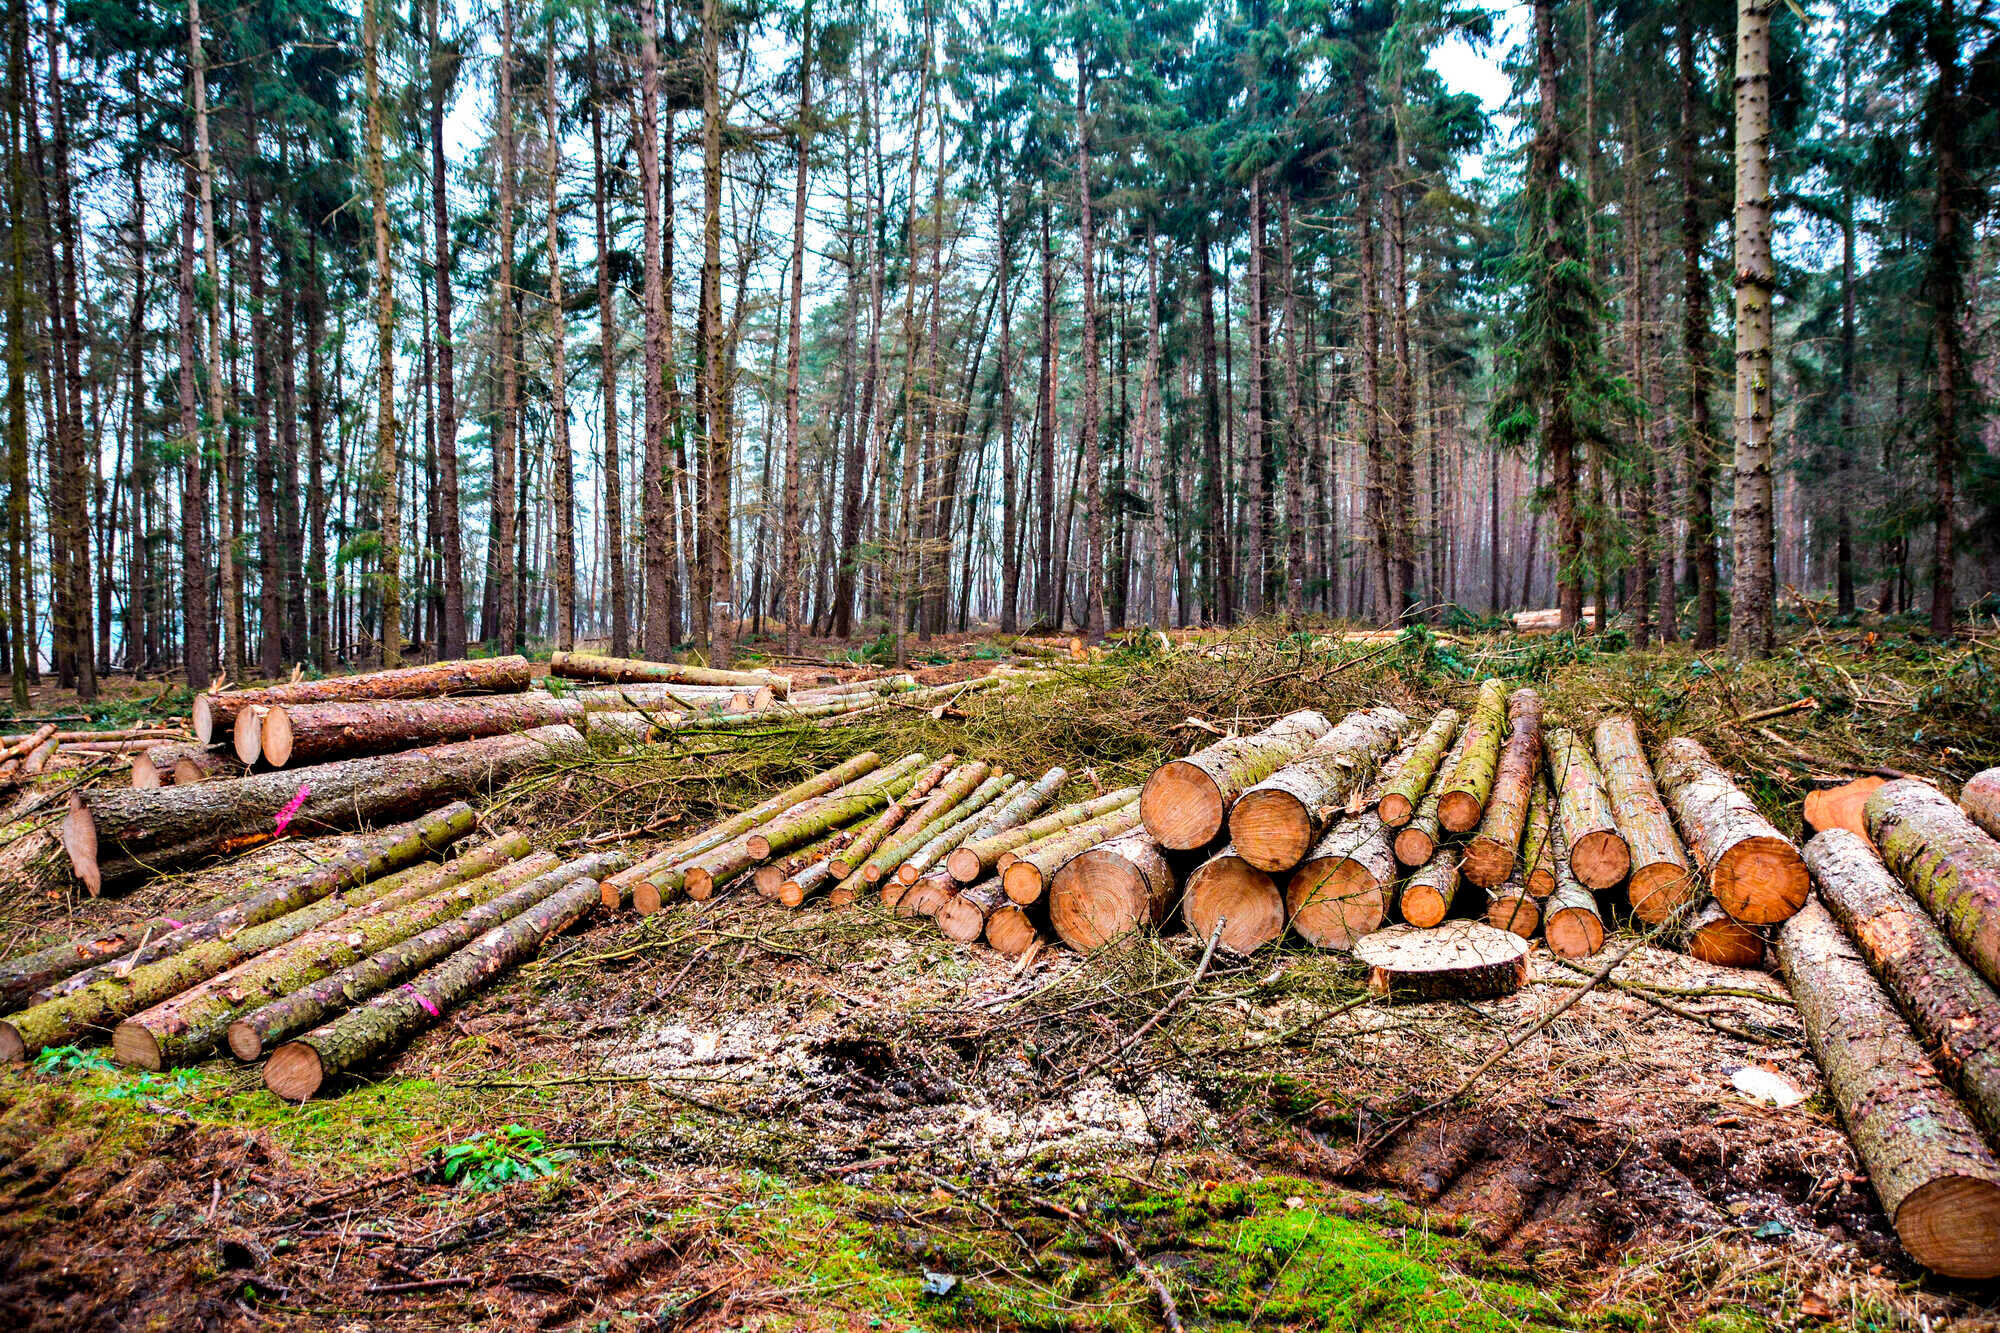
{"points": [[79, 838], [1600, 859], [1761, 881], [1229, 887], [1951, 1225], [1460, 959], [134, 1046], [294, 1071], [1181, 806], [1333, 903]]}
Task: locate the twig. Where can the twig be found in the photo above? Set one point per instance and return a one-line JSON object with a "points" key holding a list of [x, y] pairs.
{"points": [[1170, 1314], [1778, 710], [1179, 998], [1679, 1011], [428, 1284]]}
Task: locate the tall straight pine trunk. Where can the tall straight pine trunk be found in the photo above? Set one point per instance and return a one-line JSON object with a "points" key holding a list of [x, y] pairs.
{"points": [[1752, 631]]}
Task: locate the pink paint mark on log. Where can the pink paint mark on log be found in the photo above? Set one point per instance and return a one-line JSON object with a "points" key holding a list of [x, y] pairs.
{"points": [[292, 806], [422, 999]]}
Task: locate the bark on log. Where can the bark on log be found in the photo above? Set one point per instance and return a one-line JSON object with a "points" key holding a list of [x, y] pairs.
{"points": [[1661, 877], [1027, 879], [773, 875], [1426, 896], [309, 1005], [964, 918], [1572, 923], [870, 835], [1938, 1182], [215, 713], [1341, 892], [928, 820], [1415, 841], [1276, 822], [1980, 799], [1537, 867], [1493, 850], [1950, 866], [29, 978], [979, 856], [628, 670], [1185, 803], [1227, 887], [20, 747], [1021, 807], [805, 881], [1107, 891], [1716, 937], [619, 889], [366, 858], [1466, 960], [1841, 807], [154, 765], [1752, 870], [926, 896], [119, 994], [969, 817], [701, 874], [1512, 907], [668, 702], [300, 1068], [1399, 800], [315, 733], [1956, 1013], [1597, 852], [1463, 792], [120, 833], [192, 1024]]}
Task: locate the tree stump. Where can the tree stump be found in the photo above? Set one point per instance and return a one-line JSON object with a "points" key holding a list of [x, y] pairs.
{"points": [[1460, 960]]}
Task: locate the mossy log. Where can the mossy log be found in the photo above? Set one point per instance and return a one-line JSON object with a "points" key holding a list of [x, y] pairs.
{"points": [[192, 1024], [964, 917], [979, 856], [1021, 806], [1107, 891], [1715, 937], [1953, 1010], [1980, 799], [701, 874], [1185, 803], [1493, 850], [1275, 822], [28, 978], [928, 820], [771, 877], [118, 833], [1661, 877], [1510, 906], [1462, 792], [1536, 868], [1340, 892], [1400, 798], [1417, 840], [1228, 888], [1597, 851], [1951, 867], [870, 835], [1027, 878], [215, 714], [619, 889], [367, 857], [300, 1068], [1752, 869], [632, 670], [256, 1032], [1425, 898], [1459, 960], [118, 994], [996, 789], [1938, 1182], [315, 733]]}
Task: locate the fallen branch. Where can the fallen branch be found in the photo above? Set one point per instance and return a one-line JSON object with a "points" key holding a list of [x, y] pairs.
{"points": [[1170, 1314], [1159, 1015]]}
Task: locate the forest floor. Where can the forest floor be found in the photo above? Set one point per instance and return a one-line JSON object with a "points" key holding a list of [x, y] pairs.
{"points": [[733, 1115]]}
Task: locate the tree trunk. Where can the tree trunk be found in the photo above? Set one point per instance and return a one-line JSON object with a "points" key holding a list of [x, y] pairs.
{"points": [[451, 637], [1950, 866], [1944, 285], [1399, 800], [1274, 823], [1661, 878], [1340, 892], [1219, 603], [1752, 628], [1256, 552], [504, 629], [1491, 855], [1938, 1182], [19, 544], [315, 733], [1752, 870], [1462, 791], [1595, 850], [1694, 350], [1110, 890], [215, 715], [720, 611], [562, 466], [388, 509], [1185, 803], [789, 535]]}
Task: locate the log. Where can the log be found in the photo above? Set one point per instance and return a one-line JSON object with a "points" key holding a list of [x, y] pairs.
{"points": [[1840, 807], [700, 874], [365, 859], [1536, 868], [618, 889], [1426, 896], [1938, 1182], [1980, 799], [668, 701], [300, 1068], [21, 747], [968, 817], [1415, 841], [192, 768], [1752, 870], [151, 830], [629, 670], [1399, 800], [1548, 620], [29, 978], [771, 877], [215, 713], [1462, 793], [309, 1005], [1597, 853], [926, 896], [1105, 892], [1011, 930], [964, 918], [1571, 921], [154, 765], [928, 820], [1185, 803], [1460, 960], [979, 856], [870, 835], [315, 733], [1950, 866], [1276, 822], [1021, 807], [1956, 1013], [1661, 877], [1511, 907], [118, 994], [1493, 850], [1027, 879], [1228, 888], [192, 1024], [807, 880], [1341, 892], [1714, 936]]}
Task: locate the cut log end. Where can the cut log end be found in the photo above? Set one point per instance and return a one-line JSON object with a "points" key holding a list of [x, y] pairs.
{"points": [[963, 865], [1600, 859], [961, 919], [1515, 910], [146, 774], [12, 1049], [769, 880], [294, 1071], [249, 734], [1423, 905], [1230, 889], [1459, 960], [1099, 897], [1723, 941], [1656, 891], [1271, 829], [1488, 862], [1459, 811], [759, 845], [1395, 809], [1181, 806], [1010, 932], [700, 884], [277, 737], [1840, 807], [1761, 881], [1414, 846], [135, 1047], [1022, 882], [1332, 904], [645, 898], [1951, 1226], [1573, 932], [79, 839], [245, 1042], [204, 719]]}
